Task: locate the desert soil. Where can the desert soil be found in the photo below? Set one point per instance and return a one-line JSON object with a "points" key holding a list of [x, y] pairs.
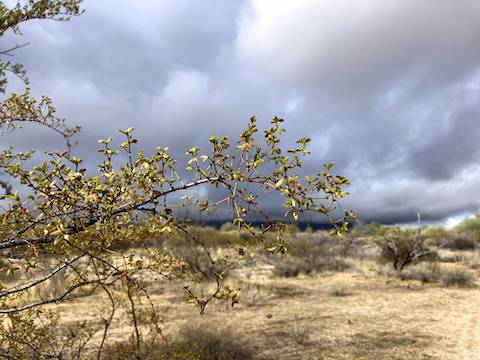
{"points": [[299, 318]]}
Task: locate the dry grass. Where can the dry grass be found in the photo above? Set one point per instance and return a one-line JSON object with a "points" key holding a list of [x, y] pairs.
{"points": [[303, 318], [190, 342], [358, 311], [458, 277], [339, 289]]}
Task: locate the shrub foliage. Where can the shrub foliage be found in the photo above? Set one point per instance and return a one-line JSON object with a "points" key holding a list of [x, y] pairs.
{"points": [[75, 217], [402, 248]]}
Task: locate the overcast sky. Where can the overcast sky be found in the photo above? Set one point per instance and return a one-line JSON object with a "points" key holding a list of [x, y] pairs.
{"points": [[390, 90]]}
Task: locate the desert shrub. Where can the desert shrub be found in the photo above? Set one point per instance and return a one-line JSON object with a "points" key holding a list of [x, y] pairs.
{"points": [[191, 343], [293, 229], [315, 245], [352, 246], [289, 268], [458, 277], [339, 289], [461, 242], [450, 257], [470, 227], [371, 230], [37, 335], [403, 247], [437, 235], [308, 230], [308, 254], [473, 261], [207, 235], [228, 226], [251, 294], [293, 266], [301, 332], [199, 263], [245, 236], [427, 272], [319, 264]]}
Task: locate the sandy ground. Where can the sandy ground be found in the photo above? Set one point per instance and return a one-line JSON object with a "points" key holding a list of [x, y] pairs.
{"points": [[298, 318]]}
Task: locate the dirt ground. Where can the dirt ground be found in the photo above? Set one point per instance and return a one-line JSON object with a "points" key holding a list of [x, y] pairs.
{"points": [[376, 317]]}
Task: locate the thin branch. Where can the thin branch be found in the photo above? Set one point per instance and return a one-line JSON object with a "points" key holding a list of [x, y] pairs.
{"points": [[39, 281], [59, 298]]}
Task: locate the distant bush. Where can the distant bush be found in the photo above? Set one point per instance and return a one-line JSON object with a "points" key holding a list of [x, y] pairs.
{"points": [[310, 254], [403, 247], [308, 230], [288, 268], [245, 236], [198, 262], [319, 244], [473, 261], [228, 226], [334, 264], [461, 242], [251, 294], [372, 229], [292, 266], [437, 235], [458, 277], [428, 272], [470, 227]]}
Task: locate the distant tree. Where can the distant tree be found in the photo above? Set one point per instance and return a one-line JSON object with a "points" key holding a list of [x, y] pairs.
{"points": [[69, 223], [470, 227], [404, 247]]}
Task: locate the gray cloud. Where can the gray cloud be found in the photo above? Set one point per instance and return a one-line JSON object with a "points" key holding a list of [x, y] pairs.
{"points": [[389, 90]]}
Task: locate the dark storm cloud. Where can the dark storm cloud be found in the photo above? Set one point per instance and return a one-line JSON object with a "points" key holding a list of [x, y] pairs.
{"points": [[455, 147], [388, 89]]}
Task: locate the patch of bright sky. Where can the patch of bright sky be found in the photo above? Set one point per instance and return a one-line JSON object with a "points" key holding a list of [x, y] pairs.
{"points": [[293, 104], [453, 221], [447, 223]]}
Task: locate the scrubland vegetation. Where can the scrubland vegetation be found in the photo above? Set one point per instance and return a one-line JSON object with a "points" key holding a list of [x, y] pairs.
{"points": [[324, 298], [104, 263]]}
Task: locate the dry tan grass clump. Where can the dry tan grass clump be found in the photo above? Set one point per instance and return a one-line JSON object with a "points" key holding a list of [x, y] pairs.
{"points": [[301, 333], [339, 288]]}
